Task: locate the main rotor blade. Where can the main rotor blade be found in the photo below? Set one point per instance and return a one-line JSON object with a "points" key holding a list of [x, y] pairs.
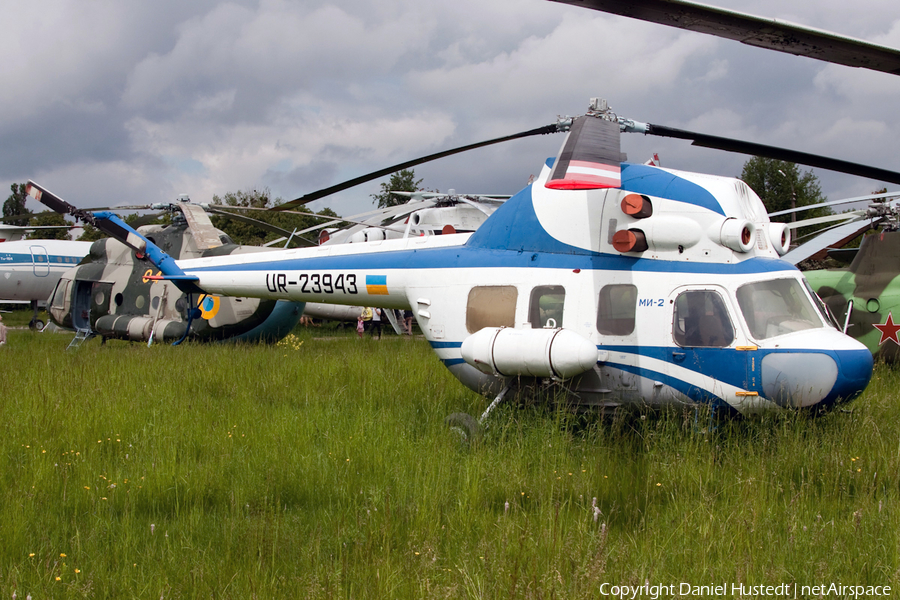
{"points": [[753, 149], [761, 32], [59, 205], [411, 163]]}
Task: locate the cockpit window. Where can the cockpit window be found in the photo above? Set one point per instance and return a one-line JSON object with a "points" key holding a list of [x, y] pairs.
{"points": [[776, 307], [701, 319], [59, 294]]}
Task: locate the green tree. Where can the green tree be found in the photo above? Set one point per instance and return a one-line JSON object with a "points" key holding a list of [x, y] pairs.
{"points": [[251, 234], [781, 185], [401, 181], [89, 233], [15, 205], [60, 226]]}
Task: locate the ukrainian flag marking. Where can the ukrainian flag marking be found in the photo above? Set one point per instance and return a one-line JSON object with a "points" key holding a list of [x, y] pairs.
{"points": [[376, 285], [209, 306]]}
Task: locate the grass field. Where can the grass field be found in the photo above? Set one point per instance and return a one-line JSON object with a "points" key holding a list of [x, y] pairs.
{"points": [[322, 468]]}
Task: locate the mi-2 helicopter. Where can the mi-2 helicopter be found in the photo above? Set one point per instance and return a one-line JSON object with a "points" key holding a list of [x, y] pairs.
{"points": [[633, 285]]}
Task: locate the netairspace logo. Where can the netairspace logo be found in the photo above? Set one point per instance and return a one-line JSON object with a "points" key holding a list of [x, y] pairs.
{"points": [[783, 590]]}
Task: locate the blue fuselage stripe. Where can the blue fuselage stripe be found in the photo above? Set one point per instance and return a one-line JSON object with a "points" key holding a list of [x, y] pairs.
{"points": [[8, 259], [440, 345], [462, 257]]}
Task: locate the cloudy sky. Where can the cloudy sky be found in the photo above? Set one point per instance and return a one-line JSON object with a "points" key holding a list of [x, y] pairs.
{"points": [[107, 102]]}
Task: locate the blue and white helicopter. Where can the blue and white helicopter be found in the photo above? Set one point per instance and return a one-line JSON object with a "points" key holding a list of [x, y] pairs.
{"points": [[625, 285]]}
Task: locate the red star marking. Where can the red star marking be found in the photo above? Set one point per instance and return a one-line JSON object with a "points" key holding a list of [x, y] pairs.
{"points": [[888, 331]]}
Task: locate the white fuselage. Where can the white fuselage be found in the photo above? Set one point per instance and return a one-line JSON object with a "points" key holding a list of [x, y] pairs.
{"points": [[30, 269]]}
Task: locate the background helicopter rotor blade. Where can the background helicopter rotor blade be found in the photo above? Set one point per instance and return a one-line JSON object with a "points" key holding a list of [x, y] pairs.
{"points": [[848, 216], [476, 204], [381, 219], [261, 224], [834, 237], [869, 197], [492, 198], [146, 220], [59, 205], [121, 208], [553, 128], [756, 31], [26, 216], [372, 218]]}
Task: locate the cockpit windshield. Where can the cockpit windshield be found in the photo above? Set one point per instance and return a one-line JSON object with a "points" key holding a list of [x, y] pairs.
{"points": [[776, 307]]}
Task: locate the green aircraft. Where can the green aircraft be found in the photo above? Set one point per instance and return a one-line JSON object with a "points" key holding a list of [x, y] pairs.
{"points": [[862, 296]]}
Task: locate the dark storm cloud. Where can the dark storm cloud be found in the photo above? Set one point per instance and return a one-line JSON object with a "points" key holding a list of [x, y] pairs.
{"points": [[126, 102]]}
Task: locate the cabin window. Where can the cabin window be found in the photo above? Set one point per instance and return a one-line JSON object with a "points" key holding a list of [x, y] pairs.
{"points": [[616, 309], [701, 319], [59, 295], [546, 308], [491, 306], [776, 307]]}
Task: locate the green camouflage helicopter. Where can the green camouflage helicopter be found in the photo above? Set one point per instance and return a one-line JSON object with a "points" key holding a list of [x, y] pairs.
{"points": [[109, 294], [863, 295]]}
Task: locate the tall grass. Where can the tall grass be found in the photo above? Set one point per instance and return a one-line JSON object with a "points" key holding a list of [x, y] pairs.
{"points": [[322, 468]]}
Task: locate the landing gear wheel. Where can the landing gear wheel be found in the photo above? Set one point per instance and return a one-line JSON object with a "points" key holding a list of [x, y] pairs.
{"points": [[36, 324], [466, 426]]}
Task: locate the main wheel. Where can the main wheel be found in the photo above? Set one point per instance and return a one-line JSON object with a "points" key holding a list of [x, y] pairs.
{"points": [[466, 426], [36, 324]]}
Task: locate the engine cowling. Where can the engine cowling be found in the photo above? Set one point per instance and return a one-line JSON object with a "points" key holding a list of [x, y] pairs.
{"points": [[557, 353]]}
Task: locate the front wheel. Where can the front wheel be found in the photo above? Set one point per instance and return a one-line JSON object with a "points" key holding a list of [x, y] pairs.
{"points": [[466, 427], [36, 324]]}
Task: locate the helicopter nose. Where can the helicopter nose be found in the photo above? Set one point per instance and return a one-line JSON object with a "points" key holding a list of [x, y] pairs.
{"points": [[820, 379], [855, 372]]}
